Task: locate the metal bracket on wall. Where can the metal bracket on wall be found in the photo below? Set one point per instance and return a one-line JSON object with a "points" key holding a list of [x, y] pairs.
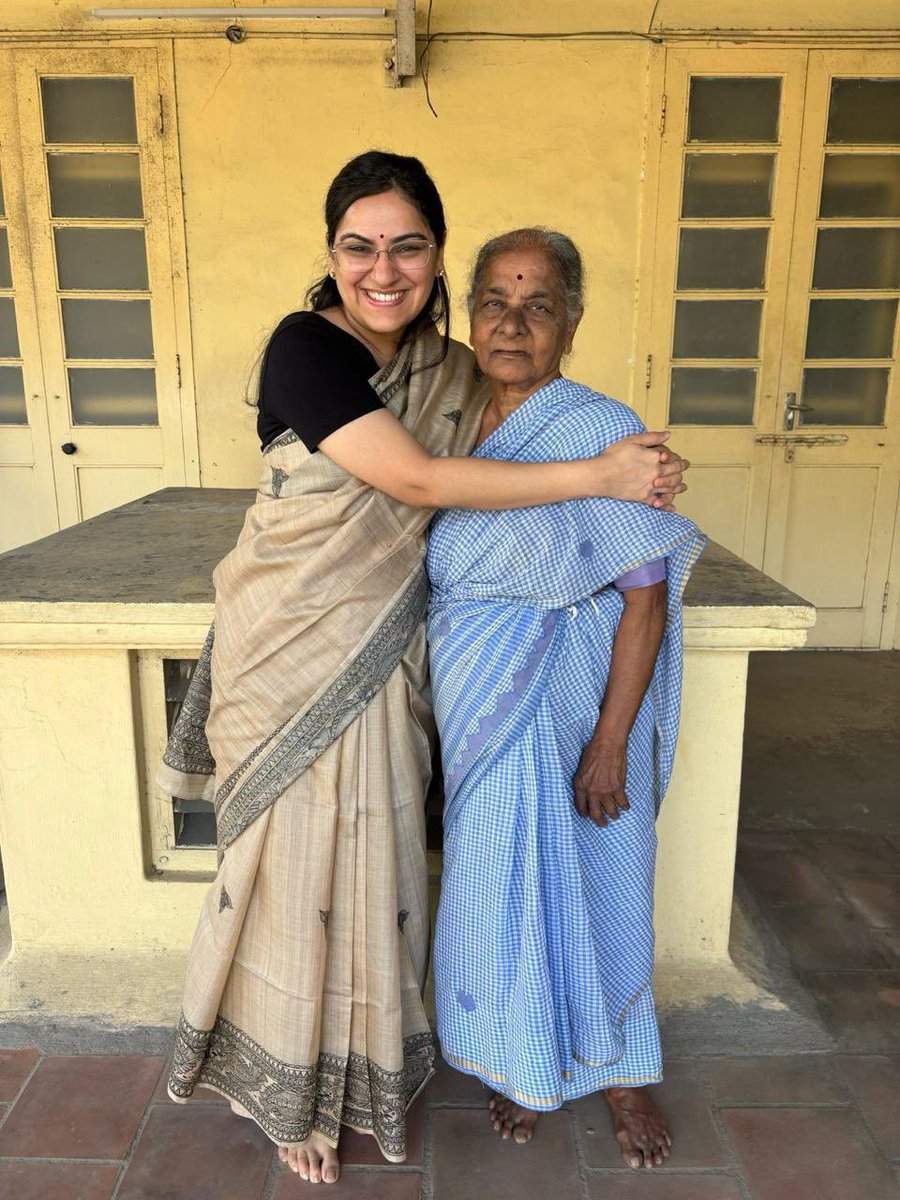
{"points": [[791, 440], [400, 60]]}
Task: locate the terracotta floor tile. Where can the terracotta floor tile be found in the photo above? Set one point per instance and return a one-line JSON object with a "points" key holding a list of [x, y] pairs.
{"points": [[80, 1107], [654, 1185], [57, 1181], [361, 1149], [14, 1067], [827, 937], [807, 1154], [804, 1079], [846, 850], [453, 1087], [469, 1160], [875, 898], [199, 1153], [875, 1084], [890, 939], [682, 1098], [861, 1009], [786, 878], [354, 1185]]}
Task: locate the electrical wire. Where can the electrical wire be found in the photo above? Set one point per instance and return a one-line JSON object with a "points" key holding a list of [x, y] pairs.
{"points": [[425, 59]]}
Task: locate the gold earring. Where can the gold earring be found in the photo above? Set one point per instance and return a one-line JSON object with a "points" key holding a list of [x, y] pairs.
{"points": [[332, 274]]}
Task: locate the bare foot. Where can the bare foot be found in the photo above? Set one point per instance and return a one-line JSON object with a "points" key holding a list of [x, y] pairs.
{"points": [[314, 1160], [640, 1127], [512, 1120]]}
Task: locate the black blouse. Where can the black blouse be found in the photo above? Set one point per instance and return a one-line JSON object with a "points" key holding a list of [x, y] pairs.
{"points": [[314, 379]]}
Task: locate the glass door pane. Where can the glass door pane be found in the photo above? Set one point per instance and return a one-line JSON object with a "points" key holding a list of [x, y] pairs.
{"points": [[864, 111], [723, 247], [845, 395], [107, 328], [718, 259], [113, 396], [95, 185], [12, 397], [99, 246], [728, 185], [5, 268], [82, 110], [12, 388], [861, 255], [9, 337], [861, 185], [867, 259], [731, 109], [91, 259]]}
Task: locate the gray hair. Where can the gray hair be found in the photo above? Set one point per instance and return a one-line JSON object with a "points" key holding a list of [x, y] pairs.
{"points": [[561, 251]]}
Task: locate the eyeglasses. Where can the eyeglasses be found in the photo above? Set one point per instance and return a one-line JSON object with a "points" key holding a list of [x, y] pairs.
{"points": [[360, 257]]}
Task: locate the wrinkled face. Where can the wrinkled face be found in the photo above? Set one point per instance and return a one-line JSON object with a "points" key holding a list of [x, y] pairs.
{"points": [[520, 329], [383, 297]]}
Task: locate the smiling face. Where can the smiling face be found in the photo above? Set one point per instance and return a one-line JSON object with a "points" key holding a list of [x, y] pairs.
{"points": [[520, 328], [381, 299]]}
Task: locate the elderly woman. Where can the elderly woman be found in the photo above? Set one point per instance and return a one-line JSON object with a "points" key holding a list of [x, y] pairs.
{"points": [[556, 663]]}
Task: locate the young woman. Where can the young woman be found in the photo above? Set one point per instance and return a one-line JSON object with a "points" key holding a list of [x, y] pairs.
{"points": [[309, 707]]}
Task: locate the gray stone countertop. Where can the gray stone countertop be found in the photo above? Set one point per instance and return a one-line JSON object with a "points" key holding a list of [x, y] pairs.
{"points": [[162, 550]]}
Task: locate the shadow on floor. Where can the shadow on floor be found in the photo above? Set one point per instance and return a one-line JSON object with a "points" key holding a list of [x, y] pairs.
{"points": [[819, 841]]}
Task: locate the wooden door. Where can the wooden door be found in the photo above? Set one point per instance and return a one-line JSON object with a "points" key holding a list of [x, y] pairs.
{"points": [[27, 493], [727, 186], [836, 471], [93, 176], [773, 331]]}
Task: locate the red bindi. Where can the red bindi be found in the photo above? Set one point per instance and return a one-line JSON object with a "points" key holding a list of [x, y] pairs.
{"points": [[381, 235], [520, 277]]}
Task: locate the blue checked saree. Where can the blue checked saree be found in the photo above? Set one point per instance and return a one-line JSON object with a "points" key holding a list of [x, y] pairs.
{"points": [[544, 940]]}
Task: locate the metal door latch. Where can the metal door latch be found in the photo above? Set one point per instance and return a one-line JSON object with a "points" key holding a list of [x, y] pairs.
{"points": [[791, 440]]}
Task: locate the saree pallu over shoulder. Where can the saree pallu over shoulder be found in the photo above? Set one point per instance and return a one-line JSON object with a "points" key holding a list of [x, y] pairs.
{"points": [[515, 578], [314, 606]]}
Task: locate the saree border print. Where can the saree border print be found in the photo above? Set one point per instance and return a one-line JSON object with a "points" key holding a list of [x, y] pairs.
{"points": [[303, 738], [187, 749], [290, 1100]]}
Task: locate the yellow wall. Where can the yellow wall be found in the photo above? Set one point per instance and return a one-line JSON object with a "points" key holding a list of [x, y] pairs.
{"points": [[501, 158]]}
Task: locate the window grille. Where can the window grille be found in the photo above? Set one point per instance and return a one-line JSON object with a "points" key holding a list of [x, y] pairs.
{"points": [[179, 834], [194, 821]]}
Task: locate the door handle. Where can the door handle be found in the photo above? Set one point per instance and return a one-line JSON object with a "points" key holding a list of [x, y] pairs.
{"points": [[68, 447], [791, 408]]}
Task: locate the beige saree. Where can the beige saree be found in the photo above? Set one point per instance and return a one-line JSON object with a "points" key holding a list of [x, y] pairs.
{"points": [[310, 710]]}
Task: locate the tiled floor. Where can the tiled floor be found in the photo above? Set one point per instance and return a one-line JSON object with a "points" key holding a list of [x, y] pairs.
{"points": [[788, 1127], [810, 1127]]}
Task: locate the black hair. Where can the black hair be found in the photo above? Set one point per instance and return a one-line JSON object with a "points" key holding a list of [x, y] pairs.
{"points": [[372, 174]]}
